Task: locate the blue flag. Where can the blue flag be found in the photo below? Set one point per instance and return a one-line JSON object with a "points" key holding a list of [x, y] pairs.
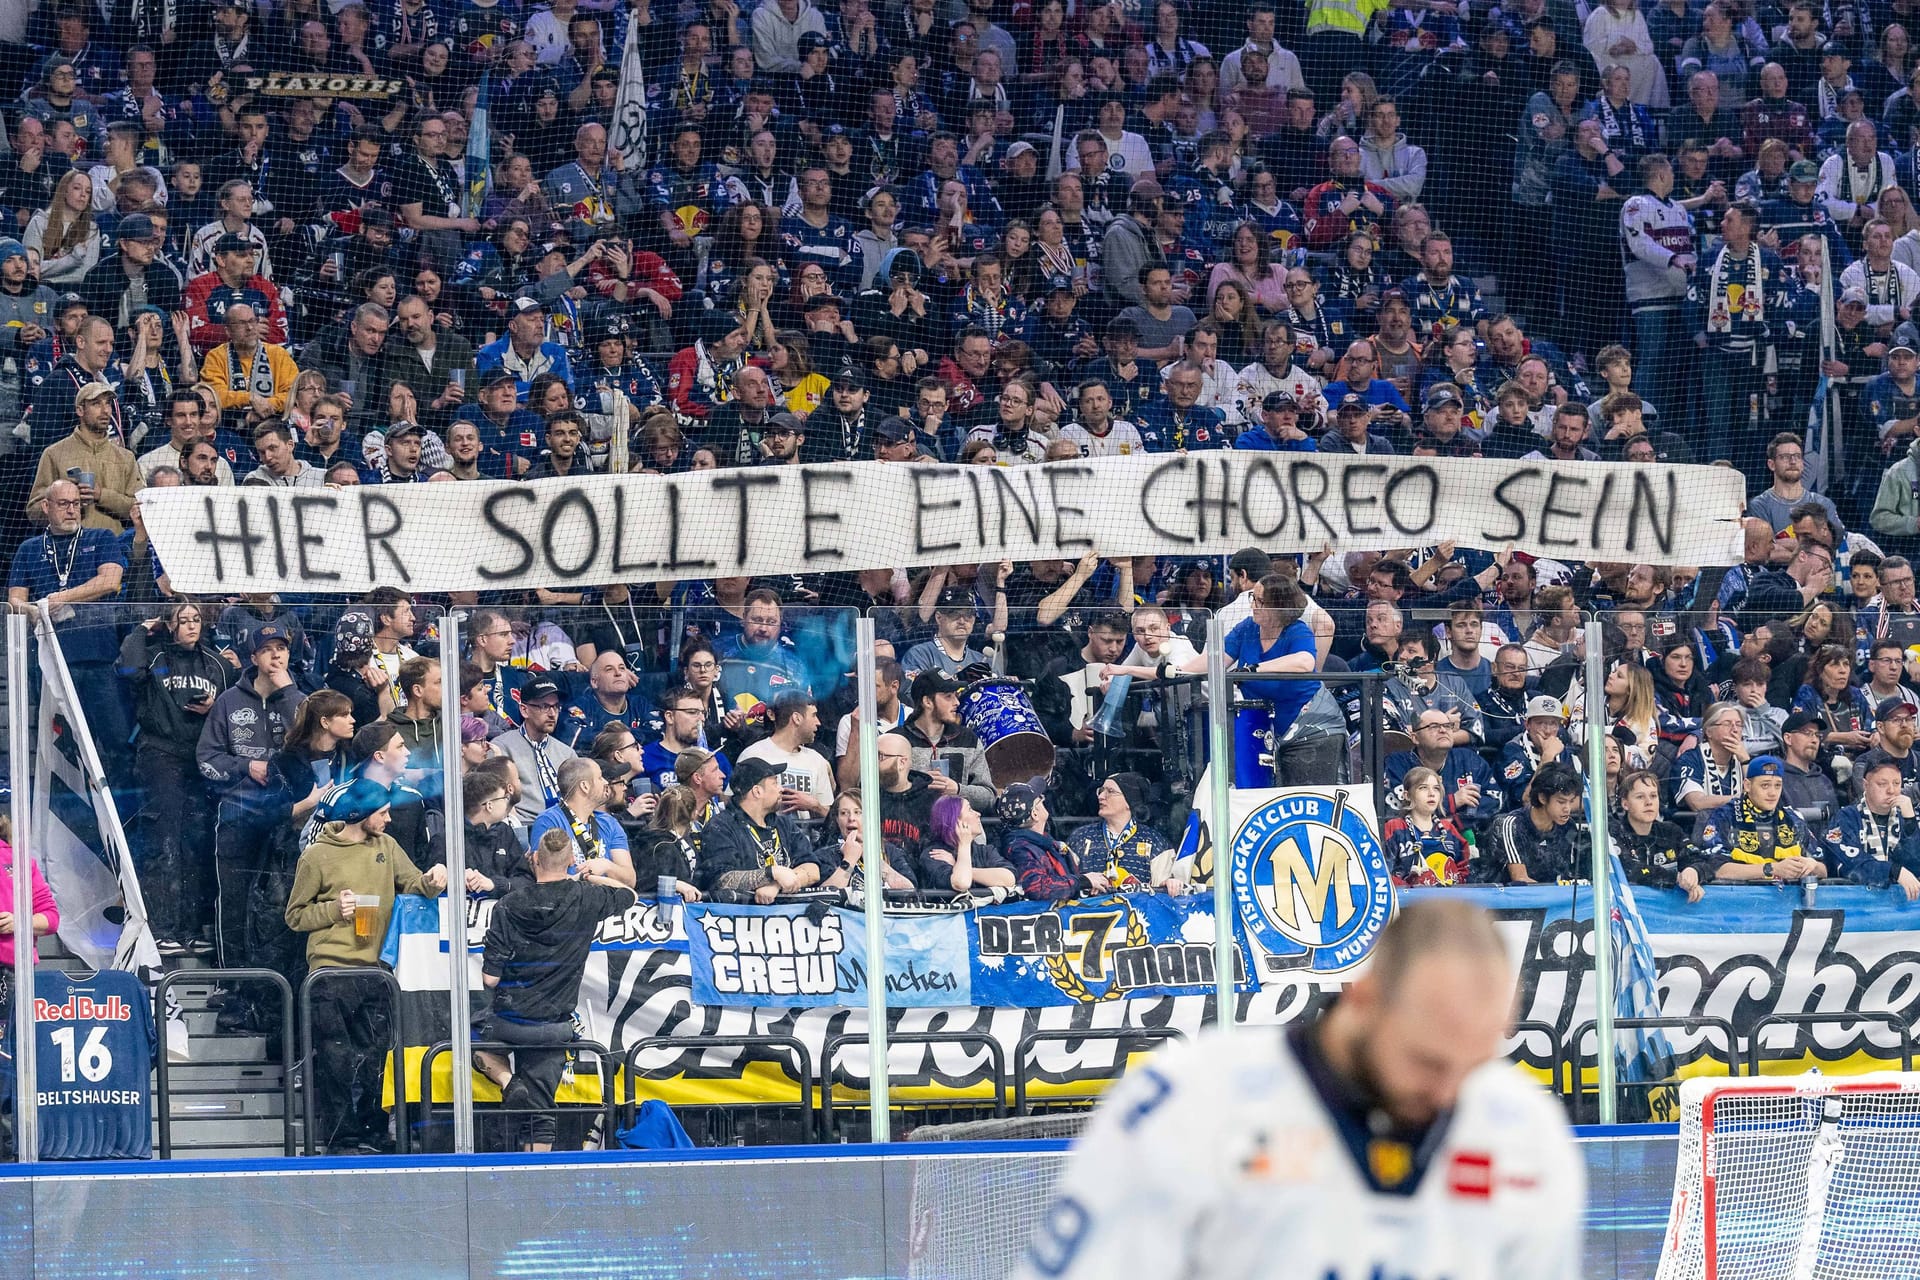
{"points": [[479, 153]]}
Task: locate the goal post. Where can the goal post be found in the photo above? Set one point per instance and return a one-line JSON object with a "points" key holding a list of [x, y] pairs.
{"points": [[1797, 1178]]}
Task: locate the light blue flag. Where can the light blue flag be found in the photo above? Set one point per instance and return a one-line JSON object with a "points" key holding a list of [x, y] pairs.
{"points": [[479, 153]]}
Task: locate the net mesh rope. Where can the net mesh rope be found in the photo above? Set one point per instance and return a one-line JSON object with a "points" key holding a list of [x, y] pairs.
{"points": [[973, 1214], [1812, 1178]]}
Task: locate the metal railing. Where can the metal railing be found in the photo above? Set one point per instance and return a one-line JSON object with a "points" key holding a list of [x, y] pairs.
{"points": [[606, 1064], [1156, 1036], [1577, 1094], [396, 1045], [1827, 1018], [802, 1063], [163, 1084], [966, 1039]]}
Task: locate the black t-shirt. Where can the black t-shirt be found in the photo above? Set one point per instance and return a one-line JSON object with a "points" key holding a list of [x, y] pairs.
{"points": [[537, 946], [432, 189]]}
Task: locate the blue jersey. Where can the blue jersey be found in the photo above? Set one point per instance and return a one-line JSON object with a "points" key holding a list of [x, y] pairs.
{"points": [[801, 242], [582, 720], [1163, 429], [656, 762], [1212, 212], [94, 1041]]}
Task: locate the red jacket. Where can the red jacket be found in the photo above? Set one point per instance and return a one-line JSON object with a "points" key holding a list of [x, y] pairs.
{"points": [[650, 271], [1327, 226], [207, 299]]}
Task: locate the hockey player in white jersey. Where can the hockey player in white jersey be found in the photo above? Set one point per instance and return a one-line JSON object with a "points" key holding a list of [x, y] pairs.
{"points": [[1385, 1141]]}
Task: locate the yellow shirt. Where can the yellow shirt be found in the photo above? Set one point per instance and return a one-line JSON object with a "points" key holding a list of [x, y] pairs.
{"points": [[215, 373]]}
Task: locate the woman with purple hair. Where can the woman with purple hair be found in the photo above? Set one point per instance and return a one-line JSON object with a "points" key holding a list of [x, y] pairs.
{"points": [[957, 855]]}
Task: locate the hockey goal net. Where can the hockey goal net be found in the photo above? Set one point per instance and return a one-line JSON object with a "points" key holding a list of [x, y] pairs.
{"points": [[1797, 1178]]}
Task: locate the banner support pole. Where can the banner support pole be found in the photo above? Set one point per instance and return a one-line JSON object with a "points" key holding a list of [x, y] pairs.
{"points": [[1220, 817], [26, 1109], [459, 1026], [873, 851], [1603, 978]]}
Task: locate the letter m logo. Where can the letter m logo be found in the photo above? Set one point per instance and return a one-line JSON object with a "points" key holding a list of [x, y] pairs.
{"points": [[1311, 865]]}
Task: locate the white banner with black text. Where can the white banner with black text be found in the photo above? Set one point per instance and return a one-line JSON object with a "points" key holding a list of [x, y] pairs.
{"points": [[755, 521]]}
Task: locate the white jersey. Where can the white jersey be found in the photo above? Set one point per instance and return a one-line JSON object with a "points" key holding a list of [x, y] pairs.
{"points": [[1122, 438], [1257, 381], [1219, 1159]]}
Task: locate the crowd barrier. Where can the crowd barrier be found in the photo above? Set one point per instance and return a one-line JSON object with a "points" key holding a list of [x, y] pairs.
{"points": [[1062, 1036]]}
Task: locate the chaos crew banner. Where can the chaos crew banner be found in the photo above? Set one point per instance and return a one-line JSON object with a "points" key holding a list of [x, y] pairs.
{"points": [[1308, 920], [756, 521]]}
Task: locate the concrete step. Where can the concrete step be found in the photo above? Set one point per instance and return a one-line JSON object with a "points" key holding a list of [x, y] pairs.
{"points": [[245, 1131], [230, 1078], [273, 1152], [228, 1106], [192, 995], [227, 1049]]}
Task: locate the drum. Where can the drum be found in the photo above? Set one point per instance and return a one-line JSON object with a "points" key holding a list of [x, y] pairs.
{"points": [[1016, 743]]}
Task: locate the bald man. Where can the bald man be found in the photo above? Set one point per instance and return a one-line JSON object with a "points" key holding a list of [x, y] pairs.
{"points": [[1386, 1138]]}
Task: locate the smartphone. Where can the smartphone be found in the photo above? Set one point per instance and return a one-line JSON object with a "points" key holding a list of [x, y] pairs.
{"points": [[942, 765]]}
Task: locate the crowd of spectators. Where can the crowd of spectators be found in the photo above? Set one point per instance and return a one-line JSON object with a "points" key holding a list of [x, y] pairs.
{"points": [[256, 245]]}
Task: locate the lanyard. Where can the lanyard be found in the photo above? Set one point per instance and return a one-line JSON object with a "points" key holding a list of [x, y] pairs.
{"points": [[62, 573]]}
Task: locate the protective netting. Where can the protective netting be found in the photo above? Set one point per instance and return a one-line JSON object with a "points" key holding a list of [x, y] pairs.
{"points": [[973, 1215], [1803, 1177]]}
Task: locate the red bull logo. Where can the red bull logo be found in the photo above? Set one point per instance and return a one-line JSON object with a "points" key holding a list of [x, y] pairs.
{"points": [[79, 1008]]}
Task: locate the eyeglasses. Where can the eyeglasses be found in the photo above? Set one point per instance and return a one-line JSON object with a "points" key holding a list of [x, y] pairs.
{"points": [[703, 666]]}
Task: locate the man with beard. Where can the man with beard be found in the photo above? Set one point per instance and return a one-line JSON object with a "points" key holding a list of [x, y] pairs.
{"points": [[1401, 1073], [428, 362]]}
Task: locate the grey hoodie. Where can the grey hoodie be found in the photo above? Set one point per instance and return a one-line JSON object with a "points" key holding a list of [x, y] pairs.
{"points": [[32, 305], [1896, 508], [1399, 166], [870, 251]]}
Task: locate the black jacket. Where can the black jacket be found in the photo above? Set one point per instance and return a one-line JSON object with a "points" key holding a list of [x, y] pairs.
{"points": [[657, 853], [1657, 858], [106, 285], [497, 852], [733, 860], [165, 678]]}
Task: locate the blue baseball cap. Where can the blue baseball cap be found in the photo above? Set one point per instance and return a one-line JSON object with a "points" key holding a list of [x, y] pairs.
{"points": [[1767, 767], [11, 248], [269, 633]]}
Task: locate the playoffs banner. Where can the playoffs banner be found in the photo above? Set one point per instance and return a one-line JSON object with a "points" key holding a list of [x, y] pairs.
{"points": [[1017, 955], [755, 521]]}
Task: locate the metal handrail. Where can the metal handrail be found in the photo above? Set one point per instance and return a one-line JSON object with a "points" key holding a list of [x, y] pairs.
{"points": [[1555, 1058], [975, 1039], [604, 1064], [1893, 1020], [802, 1062], [396, 1044], [1028, 1041], [220, 977], [1672, 1022]]}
